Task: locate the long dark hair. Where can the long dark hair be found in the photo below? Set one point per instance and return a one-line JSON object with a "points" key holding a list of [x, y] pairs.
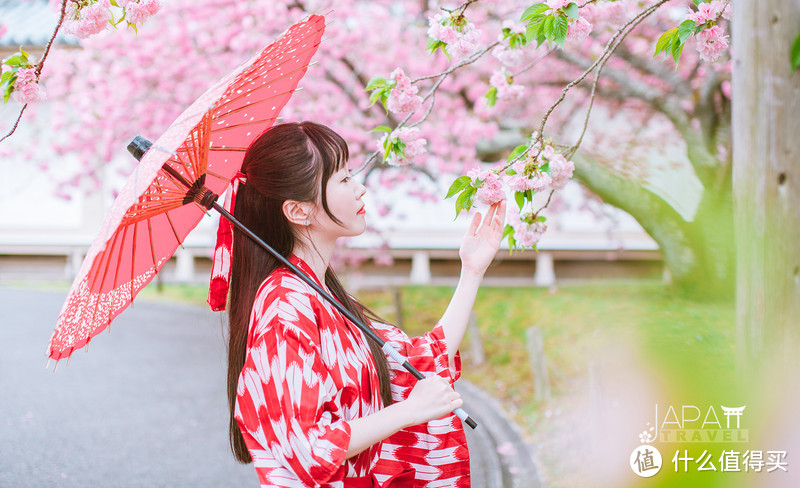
{"points": [[288, 162]]}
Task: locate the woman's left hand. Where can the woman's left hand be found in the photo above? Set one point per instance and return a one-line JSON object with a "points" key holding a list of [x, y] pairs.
{"points": [[482, 239]]}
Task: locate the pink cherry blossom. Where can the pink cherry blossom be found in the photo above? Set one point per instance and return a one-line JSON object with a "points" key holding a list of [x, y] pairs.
{"points": [[3, 29], [26, 87], [491, 191], [461, 40], [614, 13], [506, 90], [137, 12], [414, 150], [711, 43], [579, 30], [85, 21], [705, 12], [561, 171], [526, 234], [509, 57], [557, 4], [403, 97], [540, 182], [441, 30]]}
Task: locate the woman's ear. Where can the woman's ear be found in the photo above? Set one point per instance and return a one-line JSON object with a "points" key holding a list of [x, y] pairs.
{"points": [[298, 213]]}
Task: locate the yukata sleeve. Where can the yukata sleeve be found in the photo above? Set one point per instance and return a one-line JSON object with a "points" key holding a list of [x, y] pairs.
{"points": [[291, 406], [428, 353]]}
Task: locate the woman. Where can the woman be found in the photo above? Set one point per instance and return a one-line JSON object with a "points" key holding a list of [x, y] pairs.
{"points": [[312, 401]]}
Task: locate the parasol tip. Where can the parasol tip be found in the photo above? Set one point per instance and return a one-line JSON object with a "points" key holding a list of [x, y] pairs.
{"points": [[138, 146]]}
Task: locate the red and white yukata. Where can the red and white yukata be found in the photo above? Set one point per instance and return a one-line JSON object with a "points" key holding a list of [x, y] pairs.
{"points": [[309, 371]]}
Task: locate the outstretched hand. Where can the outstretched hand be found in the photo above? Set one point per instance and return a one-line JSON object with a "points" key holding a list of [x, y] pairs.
{"points": [[482, 239]]}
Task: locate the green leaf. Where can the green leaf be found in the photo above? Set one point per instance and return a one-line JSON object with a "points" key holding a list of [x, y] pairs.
{"points": [[382, 128], [560, 29], [374, 97], [491, 96], [698, 2], [519, 197], [665, 41], [375, 82], [516, 152], [677, 49], [547, 25], [435, 44], [545, 168], [15, 60], [685, 30], [534, 10], [9, 88], [572, 11], [512, 243], [465, 200], [796, 53], [507, 230], [6, 76], [459, 184]]}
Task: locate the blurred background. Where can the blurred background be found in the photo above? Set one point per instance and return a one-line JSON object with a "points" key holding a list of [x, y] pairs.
{"points": [[622, 323]]}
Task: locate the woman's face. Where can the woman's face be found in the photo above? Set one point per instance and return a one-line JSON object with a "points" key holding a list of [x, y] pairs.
{"points": [[344, 201]]}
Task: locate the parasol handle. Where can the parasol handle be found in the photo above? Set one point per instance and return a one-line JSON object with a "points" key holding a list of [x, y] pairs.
{"points": [[387, 348]]}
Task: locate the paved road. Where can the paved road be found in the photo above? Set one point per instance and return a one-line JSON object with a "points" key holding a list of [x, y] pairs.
{"points": [[145, 407]]}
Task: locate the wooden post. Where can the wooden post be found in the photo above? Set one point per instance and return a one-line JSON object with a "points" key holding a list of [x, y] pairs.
{"points": [[397, 296], [766, 179], [541, 381], [475, 340]]}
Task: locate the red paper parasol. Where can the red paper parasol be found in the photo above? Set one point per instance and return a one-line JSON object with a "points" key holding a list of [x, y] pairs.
{"points": [[177, 180], [154, 212]]}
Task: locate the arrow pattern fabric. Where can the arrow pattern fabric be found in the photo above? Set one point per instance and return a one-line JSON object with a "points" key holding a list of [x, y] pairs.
{"points": [[309, 371]]}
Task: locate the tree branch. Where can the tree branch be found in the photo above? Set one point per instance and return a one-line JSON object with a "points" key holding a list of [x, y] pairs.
{"points": [[40, 65]]}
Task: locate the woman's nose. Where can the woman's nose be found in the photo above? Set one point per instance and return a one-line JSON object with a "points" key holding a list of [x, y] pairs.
{"points": [[361, 190]]}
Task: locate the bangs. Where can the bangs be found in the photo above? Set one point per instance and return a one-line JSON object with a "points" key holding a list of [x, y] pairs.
{"points": [[329, 155]]}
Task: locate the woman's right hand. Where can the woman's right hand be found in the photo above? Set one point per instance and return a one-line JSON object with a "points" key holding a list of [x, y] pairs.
{"points": [[431, 398]]}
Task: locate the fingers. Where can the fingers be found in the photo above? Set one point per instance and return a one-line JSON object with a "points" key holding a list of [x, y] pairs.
{"points": [[473, 225]]}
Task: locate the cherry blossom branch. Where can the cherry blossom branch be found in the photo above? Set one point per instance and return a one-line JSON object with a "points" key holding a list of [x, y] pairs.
{"points": [[40, 65], [430, 95], [608, 50], [624, 30], [462, 7], [532, 64]]}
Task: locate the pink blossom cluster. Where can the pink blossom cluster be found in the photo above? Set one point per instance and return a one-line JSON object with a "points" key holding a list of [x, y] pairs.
{"points": [[503, 52], [527, 231], [560, 169], [490, 190], [414, 150], [529, 175], [711, 43], [403, 97], [536, 181], [557, 4], [612, 13], [26, 87], [83, 20], [504, 83], [710, 11], [461, 40], [579, 30], [138, 11]]}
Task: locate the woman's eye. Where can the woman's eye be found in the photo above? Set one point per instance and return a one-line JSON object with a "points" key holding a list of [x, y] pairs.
{"points": [[345, 179]]}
